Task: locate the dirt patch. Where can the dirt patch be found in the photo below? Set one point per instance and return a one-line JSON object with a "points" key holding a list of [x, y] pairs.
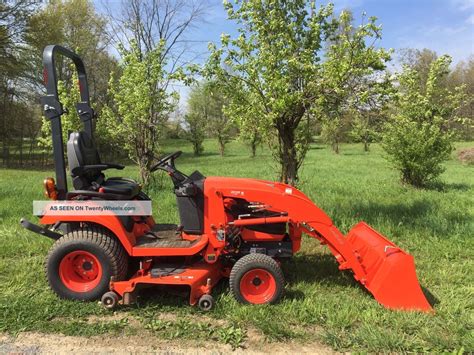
{"points": [[164, 316], [114, 317], [32, 343], [466, 156]]}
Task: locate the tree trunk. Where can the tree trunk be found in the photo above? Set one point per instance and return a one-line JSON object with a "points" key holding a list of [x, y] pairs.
{"points": [[288, 155], [4, 131], [221, 146], [144, 173], [197, 149], [366, 142], [253, 146], [30, 153], [21, 146], [144, 165], [6, 154]]}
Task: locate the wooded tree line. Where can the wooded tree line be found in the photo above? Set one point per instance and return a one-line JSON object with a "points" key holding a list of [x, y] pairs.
{"points": [[294, 72]]}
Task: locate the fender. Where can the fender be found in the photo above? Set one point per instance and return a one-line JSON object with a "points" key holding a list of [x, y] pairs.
{"points": [[111, 223]]}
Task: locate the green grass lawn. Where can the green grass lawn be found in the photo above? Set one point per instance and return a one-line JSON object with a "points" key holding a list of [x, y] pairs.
{"points": [[321, 303]]}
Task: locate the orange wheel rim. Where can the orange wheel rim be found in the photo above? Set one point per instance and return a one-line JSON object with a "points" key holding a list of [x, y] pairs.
{"points": [[258, 286], [80, 271]]}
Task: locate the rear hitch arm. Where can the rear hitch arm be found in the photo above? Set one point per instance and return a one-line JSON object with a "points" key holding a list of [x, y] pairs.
{"points": [[40, 230]]}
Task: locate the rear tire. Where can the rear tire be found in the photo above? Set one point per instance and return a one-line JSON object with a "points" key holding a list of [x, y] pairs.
{"points": [[257, 279], [82, 262]]}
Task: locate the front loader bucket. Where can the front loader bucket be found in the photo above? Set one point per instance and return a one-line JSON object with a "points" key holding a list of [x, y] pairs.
{"points": [[389, 271]]}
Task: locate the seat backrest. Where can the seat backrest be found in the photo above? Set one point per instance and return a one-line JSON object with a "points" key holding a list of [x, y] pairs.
{"points": [[81, 151]]}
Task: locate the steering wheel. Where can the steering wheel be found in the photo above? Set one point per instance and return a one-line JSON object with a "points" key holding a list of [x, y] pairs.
{"points": [[163, 162]]}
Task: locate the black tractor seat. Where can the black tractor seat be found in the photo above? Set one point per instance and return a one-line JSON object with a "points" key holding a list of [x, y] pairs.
{"points": [[86, 170], [121, 186]]}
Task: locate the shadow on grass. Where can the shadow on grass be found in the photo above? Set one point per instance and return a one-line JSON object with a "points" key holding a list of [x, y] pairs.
{"points": [[414, 214], [432, 300], [394, 212], [190, 155], [321, 268], [356, 153], [172, 296], [317, 147], [447, 187]]}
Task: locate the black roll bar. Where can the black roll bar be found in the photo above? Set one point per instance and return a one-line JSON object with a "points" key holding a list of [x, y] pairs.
{"points": [[53, 109]]}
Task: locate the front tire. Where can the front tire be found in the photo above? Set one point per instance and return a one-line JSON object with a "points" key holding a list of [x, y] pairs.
{"points": [[256, 279], [81, 263]]}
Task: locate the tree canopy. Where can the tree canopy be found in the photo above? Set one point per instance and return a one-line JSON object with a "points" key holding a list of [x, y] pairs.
{"points": [[295, 73], [289, 62], [139, 106]]}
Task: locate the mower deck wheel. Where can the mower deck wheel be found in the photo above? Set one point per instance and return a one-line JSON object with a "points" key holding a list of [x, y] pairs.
{"points": [[206, 303], [256, 279], [109, 300]]}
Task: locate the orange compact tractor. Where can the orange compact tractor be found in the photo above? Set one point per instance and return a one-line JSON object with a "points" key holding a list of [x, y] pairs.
{"points": [[229, 228]]}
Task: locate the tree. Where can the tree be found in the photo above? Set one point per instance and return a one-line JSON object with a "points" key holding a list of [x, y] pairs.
{"points": [[14, 75], [14, 16], [149, 36], [140, 106], [334, 129], [195, 132], [219, 124], [354, 77], [76, 25], [418, 137], [196, 119], [366, 127], [205, 114], [419, 60], [70, 121], [273, 75], [370, 110], [463, 74], [147, 24], [253, 138]]}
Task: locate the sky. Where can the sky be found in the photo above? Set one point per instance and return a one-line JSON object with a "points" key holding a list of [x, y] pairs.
{"points": [[445, 26]]}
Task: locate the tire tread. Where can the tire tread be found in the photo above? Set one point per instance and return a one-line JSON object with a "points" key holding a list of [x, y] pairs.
{"points": [[252, 261], [100, 237]]}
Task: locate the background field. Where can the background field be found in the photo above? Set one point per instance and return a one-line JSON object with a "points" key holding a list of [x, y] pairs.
{"points": [[321, 303]]}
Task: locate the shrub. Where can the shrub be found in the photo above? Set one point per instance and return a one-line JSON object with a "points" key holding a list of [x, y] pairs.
{"points": [[418, 136]]}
